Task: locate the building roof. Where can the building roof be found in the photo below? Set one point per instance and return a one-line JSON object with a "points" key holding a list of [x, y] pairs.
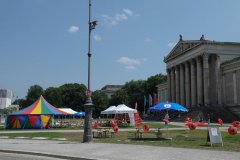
{"points": [[112, 87], [231, 60], [186, 45]]}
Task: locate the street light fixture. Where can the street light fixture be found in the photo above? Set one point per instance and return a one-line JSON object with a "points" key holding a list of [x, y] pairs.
{"points": [[88, 106]]}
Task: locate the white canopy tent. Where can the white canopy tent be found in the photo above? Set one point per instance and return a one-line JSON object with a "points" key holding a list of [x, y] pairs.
{"points": [[110, 110], [122, 108], [68, 110]]}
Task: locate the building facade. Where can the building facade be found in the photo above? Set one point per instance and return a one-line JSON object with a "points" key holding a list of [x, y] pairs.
{"points": [[203, 73], [162, 92], [110, 90], [231, 82], [5, 98]]}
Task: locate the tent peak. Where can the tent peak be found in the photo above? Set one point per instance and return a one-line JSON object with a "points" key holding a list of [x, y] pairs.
{"points": [[41, 107]]}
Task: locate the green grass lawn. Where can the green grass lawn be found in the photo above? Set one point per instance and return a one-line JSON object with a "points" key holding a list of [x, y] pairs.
{"points": [[180, 138]]}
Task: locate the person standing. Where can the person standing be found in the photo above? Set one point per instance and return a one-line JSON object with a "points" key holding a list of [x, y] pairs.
{"points": [[166, 120]]}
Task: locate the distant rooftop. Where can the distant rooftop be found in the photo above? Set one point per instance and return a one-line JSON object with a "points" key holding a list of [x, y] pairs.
{"points": [[112, 87], [5, 93]]}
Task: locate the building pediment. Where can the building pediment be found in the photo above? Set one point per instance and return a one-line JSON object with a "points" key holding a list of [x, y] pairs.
{"points": [[181, 47]]}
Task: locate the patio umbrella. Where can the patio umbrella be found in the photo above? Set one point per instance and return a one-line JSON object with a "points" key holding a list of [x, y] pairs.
{"points": [[168, 106]]}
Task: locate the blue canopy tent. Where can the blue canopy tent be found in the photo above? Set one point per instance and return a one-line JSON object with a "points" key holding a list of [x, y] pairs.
{"points": [[80, 114]]}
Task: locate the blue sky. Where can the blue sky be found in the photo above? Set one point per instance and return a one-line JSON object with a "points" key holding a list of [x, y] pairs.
{"points": [[45, 42]]}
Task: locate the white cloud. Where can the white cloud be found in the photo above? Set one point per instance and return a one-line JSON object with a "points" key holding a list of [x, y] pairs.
{"points": [[171, 44], [130, 63], [73, 29], [128, 12], [97, 37], [148, 40], [119, 17]]}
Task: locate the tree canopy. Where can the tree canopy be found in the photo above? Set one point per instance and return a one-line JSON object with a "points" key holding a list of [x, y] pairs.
{"points": [[133, 92], [100, 100], [72, 95], [34, 92]]}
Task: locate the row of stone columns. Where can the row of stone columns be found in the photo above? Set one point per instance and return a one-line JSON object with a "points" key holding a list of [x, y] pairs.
{"points": [[188, 82]]}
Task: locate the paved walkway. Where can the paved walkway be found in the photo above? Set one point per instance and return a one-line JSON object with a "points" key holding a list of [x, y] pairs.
{"points": [[103, 151]]}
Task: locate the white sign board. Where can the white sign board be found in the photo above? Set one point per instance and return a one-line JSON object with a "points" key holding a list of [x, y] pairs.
{"points": [[214, 135]]}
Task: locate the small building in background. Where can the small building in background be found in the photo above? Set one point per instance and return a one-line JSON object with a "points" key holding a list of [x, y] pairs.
{"points": [[5, 98], [110, 90], [5, 101]]}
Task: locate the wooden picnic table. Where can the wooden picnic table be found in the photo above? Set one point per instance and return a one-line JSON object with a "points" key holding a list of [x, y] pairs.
{"points": [[103, 132], [139, 133]]}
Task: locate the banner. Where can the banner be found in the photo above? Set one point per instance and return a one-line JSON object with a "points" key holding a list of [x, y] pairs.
{"points": [[136, 105], [150, 100], [155, 98]]}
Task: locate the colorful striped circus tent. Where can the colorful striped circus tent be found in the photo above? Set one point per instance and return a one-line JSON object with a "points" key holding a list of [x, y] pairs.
{"points": [[37, 116]]}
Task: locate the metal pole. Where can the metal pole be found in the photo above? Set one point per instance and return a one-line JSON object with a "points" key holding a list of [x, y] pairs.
{"points": [[89, 45], [88, 106]]}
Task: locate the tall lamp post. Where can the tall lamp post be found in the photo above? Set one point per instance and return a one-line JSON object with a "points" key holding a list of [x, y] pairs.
{"points": [[88, 136]]}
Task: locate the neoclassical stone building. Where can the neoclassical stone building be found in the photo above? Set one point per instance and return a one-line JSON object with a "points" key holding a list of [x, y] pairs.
{"points": [[203, 73]]}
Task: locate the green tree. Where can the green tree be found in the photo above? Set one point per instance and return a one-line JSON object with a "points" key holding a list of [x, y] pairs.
{"points": [[120, 97], [100, 100], [19, 102], [53, 96], [135, 92], [153, 81], [73, 96], [34, 92], [9, 110]]}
